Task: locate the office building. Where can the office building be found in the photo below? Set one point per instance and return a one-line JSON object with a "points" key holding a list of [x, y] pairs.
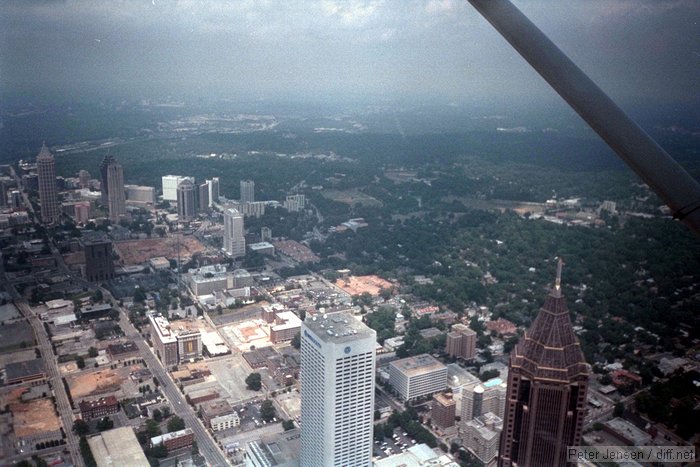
{"points": [[213, 186], [547, 388], [337, 391], [234, 234], [265, 234], [461, 342], [164, 340], [174, 346], [140, 194], [417, 376], [247, 191], [116, 201], [203, 197], [48, 192], [186, 201], [170, 184], [99, 265], [84, 179], [104, 183], [15, 200]]}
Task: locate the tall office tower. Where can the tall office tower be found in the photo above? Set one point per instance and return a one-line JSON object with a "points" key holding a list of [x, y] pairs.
{"points": [[461, 342], [3, 194], [203, 198], [247, 191], [84, 178], [547, 385], [337, 391], [234, 235], [48, 193], [186, 201], [98, 257], [116, 199], [170, 184], [104, 182], [213, 185]]}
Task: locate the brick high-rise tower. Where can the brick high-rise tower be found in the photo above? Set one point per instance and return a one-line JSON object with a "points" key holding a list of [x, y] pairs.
{"points": [[48, 192], [547, 385]]}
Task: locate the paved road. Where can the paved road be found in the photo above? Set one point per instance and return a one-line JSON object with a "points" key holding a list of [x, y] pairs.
{"points": [[64, 408], [207, 446]]}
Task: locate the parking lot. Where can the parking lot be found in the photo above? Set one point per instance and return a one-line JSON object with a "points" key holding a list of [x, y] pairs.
{"points": [[397, 444]]}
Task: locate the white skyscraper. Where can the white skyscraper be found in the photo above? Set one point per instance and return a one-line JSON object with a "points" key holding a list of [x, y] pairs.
{"points": [[213, 186], [170, 184], [234, 235], [337, 391], [247, 191]]}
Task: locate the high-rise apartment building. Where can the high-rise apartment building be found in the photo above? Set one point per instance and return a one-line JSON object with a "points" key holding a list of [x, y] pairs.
{"points": [[186, 201], [547, 386], [295, 203], [234, 233], [337, 391], [461, 342], [48, 193], [247, 191], [116, 199]]}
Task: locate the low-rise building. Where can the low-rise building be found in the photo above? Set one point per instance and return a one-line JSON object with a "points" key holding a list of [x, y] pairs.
{"points": [[28, 371], [224, 422], [175, 440], [98, 408], [117, 448], [417, 376]]}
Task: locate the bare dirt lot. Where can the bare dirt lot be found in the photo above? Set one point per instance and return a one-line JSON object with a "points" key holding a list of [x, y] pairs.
{"points": [[98, 382], [34, 417], [356, 285], [134, 252]]}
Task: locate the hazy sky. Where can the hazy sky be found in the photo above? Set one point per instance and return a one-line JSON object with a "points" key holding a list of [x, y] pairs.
{"points": [[633, 49]]}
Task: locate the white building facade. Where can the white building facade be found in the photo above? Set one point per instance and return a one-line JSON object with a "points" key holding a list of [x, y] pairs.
{"points": [[338, 363], [234, 234], [170, 184]]}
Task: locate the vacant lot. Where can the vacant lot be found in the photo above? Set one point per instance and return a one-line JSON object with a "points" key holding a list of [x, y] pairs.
{"points": [[356, 285], [34, 417], [16, 335], [351, 197], [134, 252]]}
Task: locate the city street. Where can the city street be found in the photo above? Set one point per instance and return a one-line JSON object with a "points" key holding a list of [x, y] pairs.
{"points": [[207, 446]]}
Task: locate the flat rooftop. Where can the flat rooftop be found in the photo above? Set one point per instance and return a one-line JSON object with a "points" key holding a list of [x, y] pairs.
{"points": [[413, 366], [338, 327], [116, 448]]}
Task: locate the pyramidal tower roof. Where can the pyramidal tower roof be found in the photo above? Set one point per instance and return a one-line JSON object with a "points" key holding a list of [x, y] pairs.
{"points": [[44, 153], [549, 349]]}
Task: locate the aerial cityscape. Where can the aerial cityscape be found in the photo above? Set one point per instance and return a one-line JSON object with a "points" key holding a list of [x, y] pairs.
{"points": [[216, 252]]}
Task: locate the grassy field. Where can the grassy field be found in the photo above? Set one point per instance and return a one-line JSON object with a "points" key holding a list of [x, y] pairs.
{"points": [[352, 197]]}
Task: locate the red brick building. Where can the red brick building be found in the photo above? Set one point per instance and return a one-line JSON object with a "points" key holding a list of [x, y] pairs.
{"points": [[99, 408]]}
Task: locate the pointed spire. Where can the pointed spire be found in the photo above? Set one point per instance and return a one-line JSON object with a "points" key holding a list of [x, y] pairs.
{"points": [[44, 152], [557, 282]]}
